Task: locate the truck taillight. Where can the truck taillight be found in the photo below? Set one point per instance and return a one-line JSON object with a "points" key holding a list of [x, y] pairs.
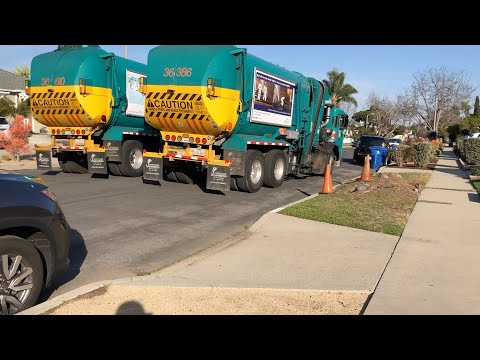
{"points": [[333, 135], [167, 137], [83, 132], [78, 132], [282, 131], [58, 131], [197, 140], [204, 141], [53, 131], [174, 138]]}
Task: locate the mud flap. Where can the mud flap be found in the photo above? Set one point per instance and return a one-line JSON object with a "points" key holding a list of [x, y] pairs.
{"points": [[152, 168], [44, 159], [218, 177], [97, 162], [320, 161], [114, 150]]}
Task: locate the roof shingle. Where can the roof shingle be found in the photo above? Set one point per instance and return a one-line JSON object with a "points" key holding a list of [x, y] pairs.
{"points": [[11, 81]]}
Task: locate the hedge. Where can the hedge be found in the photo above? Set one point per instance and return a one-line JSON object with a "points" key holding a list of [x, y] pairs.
{"points": [[471, 151], [422, 153]]}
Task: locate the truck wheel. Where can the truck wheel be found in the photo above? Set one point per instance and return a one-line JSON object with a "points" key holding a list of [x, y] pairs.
{"points": [[233, 183], [254, 172], [183, 178], [63, 163], [132, 155], [170, 175], [78, 164], [275, 168], [113, 168]]}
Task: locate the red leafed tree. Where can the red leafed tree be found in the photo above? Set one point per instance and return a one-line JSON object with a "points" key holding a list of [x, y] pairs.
{"points": [[17, 140], [3, 140]]}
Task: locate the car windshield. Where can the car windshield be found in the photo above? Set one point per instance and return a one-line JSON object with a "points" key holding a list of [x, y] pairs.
{"points": [[372, 141], [3, 121], [396, 141]]}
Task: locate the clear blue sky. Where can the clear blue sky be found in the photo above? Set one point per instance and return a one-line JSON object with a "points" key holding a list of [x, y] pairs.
{"points": [[383, 69]]}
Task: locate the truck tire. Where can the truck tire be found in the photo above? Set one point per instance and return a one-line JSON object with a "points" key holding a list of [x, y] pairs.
{"points": [[63, 164], [170, 175], [132, 155], [183, 178], [24, 256], [77, 167], [113, 168], [254, 172], [275, 168]]}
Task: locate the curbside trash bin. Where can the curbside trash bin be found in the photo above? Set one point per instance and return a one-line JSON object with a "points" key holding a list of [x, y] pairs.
{"points": [[378, 157]]}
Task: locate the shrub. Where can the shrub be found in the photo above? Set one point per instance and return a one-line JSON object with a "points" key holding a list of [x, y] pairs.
{"points": [[402, 154], [476, 171], [459, 147], [471, 151], [422, 153], [16, 143]]}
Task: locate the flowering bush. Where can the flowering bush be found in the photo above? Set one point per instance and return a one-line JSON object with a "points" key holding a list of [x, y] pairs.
{"points": [[16, 142]]}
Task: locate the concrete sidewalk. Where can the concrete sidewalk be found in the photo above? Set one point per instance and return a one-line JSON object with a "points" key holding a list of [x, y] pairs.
{"points": [[282, 265], [435, 268]]}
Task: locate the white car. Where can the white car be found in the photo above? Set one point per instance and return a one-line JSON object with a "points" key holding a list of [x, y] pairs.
{"points": [[4, 125], [474, 135]]}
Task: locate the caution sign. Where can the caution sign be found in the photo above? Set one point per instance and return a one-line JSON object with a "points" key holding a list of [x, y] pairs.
{"points": [[218, 178], [165, 104]]}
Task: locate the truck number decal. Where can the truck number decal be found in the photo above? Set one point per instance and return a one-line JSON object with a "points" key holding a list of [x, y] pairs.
{"points": [[59, 81], [45, 81], [181, 72]]}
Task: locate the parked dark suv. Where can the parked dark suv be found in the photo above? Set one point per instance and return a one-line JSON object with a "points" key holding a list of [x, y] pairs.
{"points": [[363, 147], [34, 240]]}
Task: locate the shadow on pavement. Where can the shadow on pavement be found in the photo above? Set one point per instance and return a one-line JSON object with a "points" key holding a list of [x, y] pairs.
{"points": [[474, 198], [131, 308], [77, 254], [52, 172]]}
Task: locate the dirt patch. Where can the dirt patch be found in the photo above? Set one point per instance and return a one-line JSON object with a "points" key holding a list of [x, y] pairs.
{"points": [[156, 300], [430, 166]]}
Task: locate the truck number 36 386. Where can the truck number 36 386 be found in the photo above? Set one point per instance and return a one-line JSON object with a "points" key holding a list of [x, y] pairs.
{"points": [[181, 72]]}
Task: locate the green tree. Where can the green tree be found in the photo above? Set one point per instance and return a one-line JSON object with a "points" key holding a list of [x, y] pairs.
{"points": [[7, 107], [476, 107], [23, 70], [23, 108], [339, 91]]}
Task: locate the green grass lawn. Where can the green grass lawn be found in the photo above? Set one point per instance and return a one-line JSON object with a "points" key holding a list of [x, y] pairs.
{"points": [[385, 208], [476, 185]]}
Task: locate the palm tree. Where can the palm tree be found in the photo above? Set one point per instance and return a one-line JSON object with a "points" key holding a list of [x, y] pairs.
{"points": [[338, 90], [23, 70]]}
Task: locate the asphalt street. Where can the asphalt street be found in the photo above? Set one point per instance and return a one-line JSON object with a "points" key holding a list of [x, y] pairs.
{"points": [[122, 227]]}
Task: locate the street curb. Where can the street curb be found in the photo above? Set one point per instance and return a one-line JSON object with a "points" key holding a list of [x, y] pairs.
{"points": [[72, 294]]}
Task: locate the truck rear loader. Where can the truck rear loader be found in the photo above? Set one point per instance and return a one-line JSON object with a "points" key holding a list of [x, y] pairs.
{"points": [[90, 101], [238, 120]]}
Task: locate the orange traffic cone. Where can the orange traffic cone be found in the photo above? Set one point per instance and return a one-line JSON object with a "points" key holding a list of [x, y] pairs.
{"points": [[327, 182], [366, 170]]}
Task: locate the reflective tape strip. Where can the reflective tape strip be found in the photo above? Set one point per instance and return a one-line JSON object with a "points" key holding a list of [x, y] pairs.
{"points": [[267, 143], [71, 147], [186, 157]]}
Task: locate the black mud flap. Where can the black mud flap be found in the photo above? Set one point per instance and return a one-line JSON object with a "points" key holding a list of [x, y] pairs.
{"points": [[320, 160], [97, 162], [114, 150], [152, 168], [218, 178], [44, 159]]}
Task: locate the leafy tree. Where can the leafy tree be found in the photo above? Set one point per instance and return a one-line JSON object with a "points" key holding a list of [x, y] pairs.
{"points": [[339, 91], [7, 107], [23, 108]]}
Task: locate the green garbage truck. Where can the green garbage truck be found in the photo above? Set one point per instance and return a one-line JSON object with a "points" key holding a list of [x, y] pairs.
{"points": [[90, 101], [236, 119]]}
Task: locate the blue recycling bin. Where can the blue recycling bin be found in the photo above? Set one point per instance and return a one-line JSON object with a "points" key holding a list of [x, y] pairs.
{"points": [[378, 157]]}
